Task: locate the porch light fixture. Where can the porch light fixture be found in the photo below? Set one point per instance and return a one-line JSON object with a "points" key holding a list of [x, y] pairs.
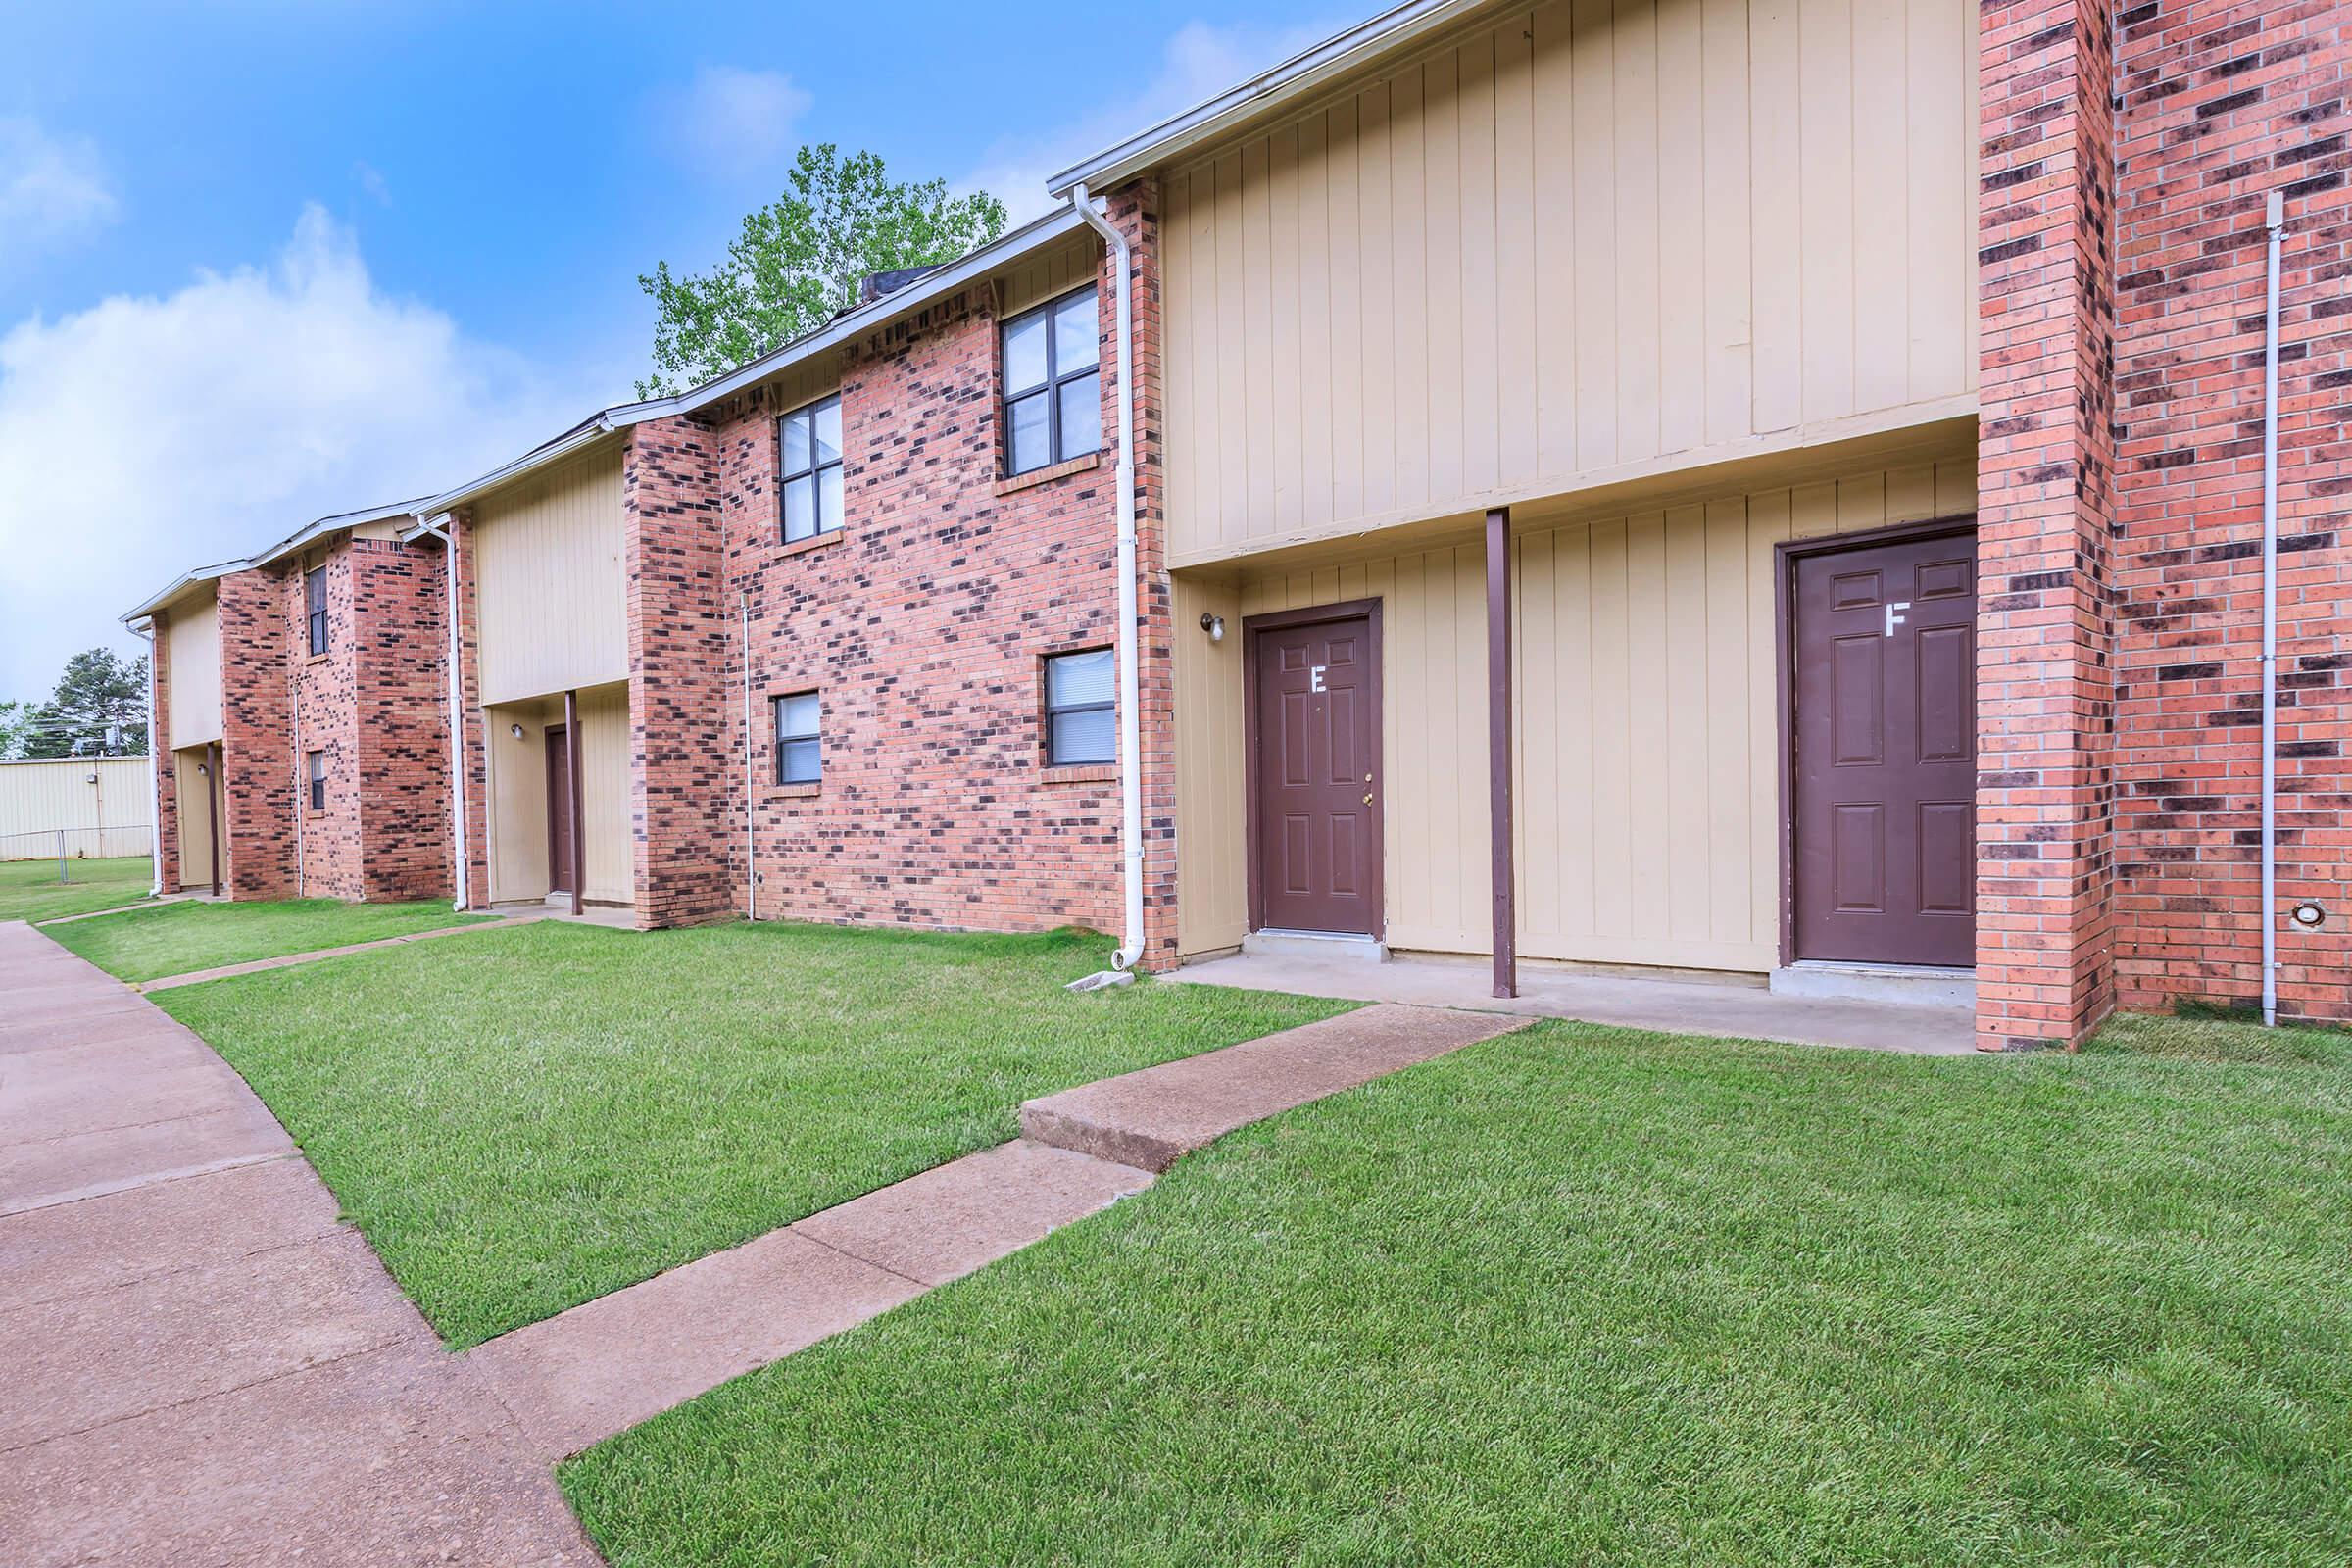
{"points": [[1213, 624], [514, 730]]}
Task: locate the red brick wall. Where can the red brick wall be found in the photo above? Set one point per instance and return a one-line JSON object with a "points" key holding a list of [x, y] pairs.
{"points": [[256, 740], [2223, 103], [2046, 791], [477, 756], [400, 607], [167, 766], [684, 773], [923, 625], [327, 847]]}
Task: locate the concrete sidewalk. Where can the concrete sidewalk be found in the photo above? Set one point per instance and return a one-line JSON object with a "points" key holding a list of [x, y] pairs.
{"points": [[205, 1366]]}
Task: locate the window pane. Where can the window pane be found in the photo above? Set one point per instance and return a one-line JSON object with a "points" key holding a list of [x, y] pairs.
{"points": [[1075, 678], [796, 716], [1024, 354], [314, 590], [795, 442], [1081, 417], [1077, 335], [1028, 443], [799, 761], [799, 508], [829, 499], [828, 430], [1088, 736]]}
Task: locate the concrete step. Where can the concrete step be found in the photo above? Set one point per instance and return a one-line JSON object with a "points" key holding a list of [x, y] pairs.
{"points": [[1336, 946], [1916, 985], [1149, 1119]]}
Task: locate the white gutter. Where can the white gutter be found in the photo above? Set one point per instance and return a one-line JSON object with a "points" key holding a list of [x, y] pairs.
{"points": [[301, 537], [1131, 747], [1296, 77], [750, 822], [154, 764], [446, 529], [2275, 218]]}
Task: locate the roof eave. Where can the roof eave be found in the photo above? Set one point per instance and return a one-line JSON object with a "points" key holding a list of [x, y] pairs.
{"points": [[1296, 77]]}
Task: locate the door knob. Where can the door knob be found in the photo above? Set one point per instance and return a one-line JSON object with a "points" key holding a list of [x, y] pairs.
{"points": [[1367, 797]]}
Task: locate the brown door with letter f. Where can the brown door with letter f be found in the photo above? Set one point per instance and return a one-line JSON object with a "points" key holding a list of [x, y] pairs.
{"points": [[559, 825], [1315, 818], [1884, 670]]}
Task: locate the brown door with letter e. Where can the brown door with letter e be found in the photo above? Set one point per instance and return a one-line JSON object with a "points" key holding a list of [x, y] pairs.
{"points": [[560, 827], [1314, 764], [1883, 710]]}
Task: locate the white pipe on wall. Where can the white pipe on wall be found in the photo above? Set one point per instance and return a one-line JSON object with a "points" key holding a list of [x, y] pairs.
{"points": [[2275, 218], [446, 527], [1131, 747], [751, 821]]}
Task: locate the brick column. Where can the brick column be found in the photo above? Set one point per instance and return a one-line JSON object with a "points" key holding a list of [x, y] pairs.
{"points": [[1134, 209], [683, 754], [2045, 509], [257, 752], [400, 612], [160, 757]]}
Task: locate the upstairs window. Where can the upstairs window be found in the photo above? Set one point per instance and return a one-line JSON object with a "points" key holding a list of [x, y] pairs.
{"points": [[314, 603], [809, 444], [1081, 709], [799, 747], [315, 770], [1053, 394]]}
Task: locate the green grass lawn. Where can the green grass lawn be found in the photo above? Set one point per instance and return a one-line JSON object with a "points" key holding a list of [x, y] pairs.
{"points": [[526, 1119], [31, 891], [1585, 1296], [182, 938]]}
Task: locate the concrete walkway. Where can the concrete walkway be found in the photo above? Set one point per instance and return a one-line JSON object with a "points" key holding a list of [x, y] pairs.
{"points": [[204, 1365], [288, 961], [1725, 1008], [209, 1368]]}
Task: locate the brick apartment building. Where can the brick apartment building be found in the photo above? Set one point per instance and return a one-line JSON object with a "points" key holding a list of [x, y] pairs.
{"points": [[1717, 486], [301, 718]]}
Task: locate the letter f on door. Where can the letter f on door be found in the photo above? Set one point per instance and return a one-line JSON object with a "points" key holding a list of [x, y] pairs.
{"points": [[1894, 615]]}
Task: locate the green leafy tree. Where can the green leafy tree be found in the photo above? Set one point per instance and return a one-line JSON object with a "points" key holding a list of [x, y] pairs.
{"points": [[98, 710], [18, 721], [797, 263]]}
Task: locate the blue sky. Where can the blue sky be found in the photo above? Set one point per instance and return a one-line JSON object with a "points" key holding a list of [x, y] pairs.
{"points": [[262, 262]]}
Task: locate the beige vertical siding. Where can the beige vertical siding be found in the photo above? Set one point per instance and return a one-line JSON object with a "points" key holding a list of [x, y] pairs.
{"points": [[1647, 766], [552, 595], [1432, 746], [195, 818], [519, 867], [192, 657], [1599, 239], [1038, 278], [112, 817]]}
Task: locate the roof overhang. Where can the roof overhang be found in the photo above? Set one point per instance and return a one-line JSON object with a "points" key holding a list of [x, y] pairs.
{"points": [[302, 537], [933, 286], [1293, 79]]}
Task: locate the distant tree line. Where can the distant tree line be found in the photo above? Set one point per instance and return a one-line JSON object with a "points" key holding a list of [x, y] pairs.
{"points": [[98, 710]]}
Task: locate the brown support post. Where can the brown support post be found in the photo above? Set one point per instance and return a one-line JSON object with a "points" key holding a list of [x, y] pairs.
{"points": [[1499, 750], [571, 783], [212, 806]]}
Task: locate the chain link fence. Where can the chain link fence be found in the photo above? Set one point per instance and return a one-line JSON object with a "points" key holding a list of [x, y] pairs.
{"points": [[77, 850]]}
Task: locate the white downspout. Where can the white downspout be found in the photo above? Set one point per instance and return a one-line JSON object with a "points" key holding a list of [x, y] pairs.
{"points": [[2275, 218], [447, 529], [1131, 724], [155, 776], [751, 820]]}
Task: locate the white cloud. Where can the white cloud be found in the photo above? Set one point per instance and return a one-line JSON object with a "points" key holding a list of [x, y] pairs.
{"points": [[371, 180], [1198, 63], [145, 435], [729, 122], [52, 187]]}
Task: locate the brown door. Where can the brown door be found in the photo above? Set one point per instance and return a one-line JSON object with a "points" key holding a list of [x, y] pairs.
{"points": [[1885, 771], [1315, 766], [560, 827]]}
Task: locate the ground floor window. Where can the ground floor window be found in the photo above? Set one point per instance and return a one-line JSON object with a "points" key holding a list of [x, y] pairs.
{"points": [[798, 743], [1081, 709]]}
